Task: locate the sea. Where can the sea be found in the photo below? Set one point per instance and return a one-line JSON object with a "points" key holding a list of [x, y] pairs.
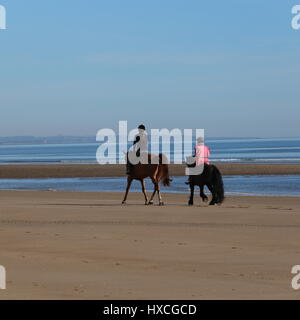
{"points": [[222, 150], [250, 151]]}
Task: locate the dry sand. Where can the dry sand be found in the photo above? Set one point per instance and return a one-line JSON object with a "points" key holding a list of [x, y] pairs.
{"points": [[74, 171], [70, 245]]}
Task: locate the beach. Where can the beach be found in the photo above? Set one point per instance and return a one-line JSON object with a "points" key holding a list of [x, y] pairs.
{"points": [[86, 170], [83, 245], [99, 85]]}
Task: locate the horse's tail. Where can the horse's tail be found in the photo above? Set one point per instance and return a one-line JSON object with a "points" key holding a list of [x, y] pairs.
{"points": [[218, 185], [163, 160], [166, 178]]}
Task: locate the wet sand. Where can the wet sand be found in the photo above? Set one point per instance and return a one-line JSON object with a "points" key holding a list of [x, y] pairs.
{"points": [[76, 245], [84, 171]]}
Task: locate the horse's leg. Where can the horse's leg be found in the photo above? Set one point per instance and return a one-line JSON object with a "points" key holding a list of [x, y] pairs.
{"points": [[129, 181], [144, 190], [213, 200], [191, 200], [202, 194], [159, 195], [153, 194]]}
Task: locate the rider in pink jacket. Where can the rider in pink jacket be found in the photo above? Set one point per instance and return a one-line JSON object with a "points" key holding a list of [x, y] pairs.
{"points": [[202, 152]]}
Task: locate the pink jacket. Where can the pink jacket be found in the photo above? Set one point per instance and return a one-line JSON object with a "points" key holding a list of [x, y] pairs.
{"points": [[202, 153]]}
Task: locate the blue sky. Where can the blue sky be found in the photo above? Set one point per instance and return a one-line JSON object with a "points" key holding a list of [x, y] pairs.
{"points": [[73, 67]]}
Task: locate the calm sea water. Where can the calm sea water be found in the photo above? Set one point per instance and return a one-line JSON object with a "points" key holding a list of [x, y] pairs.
{"points": [[230, 150], [234, 185]]}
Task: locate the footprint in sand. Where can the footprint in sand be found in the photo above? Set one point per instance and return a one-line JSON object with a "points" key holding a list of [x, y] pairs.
{"points": [[79, 289], [279, 208], [237, 207], [182, 244]]}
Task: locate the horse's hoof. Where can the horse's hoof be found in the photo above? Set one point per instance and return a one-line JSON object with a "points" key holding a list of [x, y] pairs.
{"points": [[191, 203], [161, 204], [123, 202], [150, 203]]}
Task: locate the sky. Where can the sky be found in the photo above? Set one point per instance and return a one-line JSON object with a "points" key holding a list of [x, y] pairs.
{"points": [[70, 67]]}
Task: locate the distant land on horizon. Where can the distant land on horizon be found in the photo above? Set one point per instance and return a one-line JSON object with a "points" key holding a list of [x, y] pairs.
{"points": [[23, 140]]}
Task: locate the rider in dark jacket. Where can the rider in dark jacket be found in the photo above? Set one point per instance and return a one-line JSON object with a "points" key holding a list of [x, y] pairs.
{"points": [[139, 145]]}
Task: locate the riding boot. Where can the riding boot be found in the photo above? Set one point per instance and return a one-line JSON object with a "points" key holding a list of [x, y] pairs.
{"points": [[128, 168], [189, 180]]}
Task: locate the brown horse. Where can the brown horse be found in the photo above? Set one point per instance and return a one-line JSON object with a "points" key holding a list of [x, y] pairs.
{"points": [[157, 170]]}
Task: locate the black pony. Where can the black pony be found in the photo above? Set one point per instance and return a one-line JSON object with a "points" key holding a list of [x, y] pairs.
{"points": [[212, 178]]}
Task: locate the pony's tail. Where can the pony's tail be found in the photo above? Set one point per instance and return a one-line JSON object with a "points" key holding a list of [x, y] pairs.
{"points": [[218, 185], [165, 170]]}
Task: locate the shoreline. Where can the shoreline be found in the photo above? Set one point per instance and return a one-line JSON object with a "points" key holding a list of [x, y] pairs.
{"points": [[94, 171]]}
